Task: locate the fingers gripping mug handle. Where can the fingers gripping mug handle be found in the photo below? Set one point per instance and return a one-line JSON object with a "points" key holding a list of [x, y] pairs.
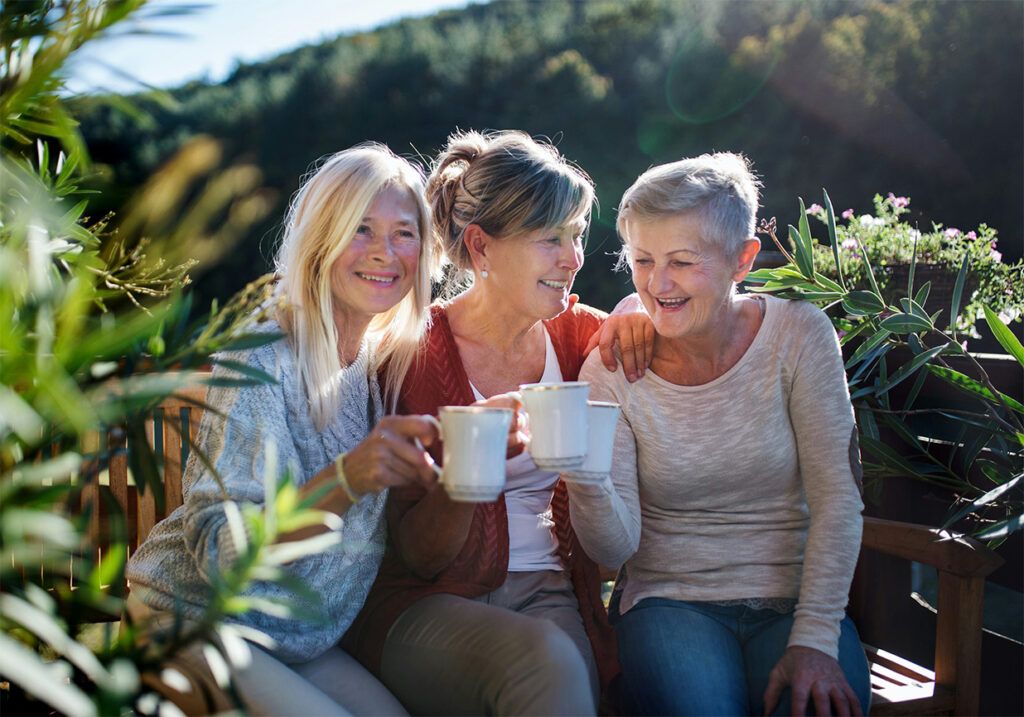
{"points": [[433, 466]]}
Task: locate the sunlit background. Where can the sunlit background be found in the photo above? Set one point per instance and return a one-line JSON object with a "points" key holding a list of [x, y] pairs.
{"points": [[922, 99]]}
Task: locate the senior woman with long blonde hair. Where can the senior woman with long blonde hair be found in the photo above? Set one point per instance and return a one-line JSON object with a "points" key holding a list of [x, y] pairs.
{"points": [[355, 268], [493, 608], [733, 506]]}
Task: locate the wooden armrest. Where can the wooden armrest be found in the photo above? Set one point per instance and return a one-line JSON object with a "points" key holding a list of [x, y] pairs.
{"points": [[947, 551]]}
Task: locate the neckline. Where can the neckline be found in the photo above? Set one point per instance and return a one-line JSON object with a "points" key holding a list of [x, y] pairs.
{"points": [[552, 370], [762, 331]]}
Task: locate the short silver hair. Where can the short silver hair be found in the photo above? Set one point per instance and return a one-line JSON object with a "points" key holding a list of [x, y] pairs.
{"points": [[721, 188]]}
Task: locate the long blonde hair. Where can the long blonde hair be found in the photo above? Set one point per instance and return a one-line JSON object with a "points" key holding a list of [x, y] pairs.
{"points": [[322, 219], [507, 183]]}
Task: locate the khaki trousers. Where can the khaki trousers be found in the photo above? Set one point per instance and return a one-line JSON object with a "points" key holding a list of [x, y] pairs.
{"points": [[519, 650], [331, 684]]}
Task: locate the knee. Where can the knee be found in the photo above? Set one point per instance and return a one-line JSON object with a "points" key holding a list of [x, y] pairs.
{"points": [[546, 650]]}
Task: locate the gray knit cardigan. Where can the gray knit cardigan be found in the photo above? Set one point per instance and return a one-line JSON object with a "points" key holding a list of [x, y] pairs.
{"points": [[173, 567]]}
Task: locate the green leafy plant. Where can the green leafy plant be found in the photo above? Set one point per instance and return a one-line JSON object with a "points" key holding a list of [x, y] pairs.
{"points": [[976, 449], [95, 330], [891, 245]]}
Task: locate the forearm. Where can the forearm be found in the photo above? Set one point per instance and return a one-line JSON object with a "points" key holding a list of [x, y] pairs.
{"points": [[603, 523], [431, 533]]}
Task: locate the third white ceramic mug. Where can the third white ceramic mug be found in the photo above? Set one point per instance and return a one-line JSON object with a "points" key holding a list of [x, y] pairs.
{"points": [[558, 423], [601, 421], [475, 444]]}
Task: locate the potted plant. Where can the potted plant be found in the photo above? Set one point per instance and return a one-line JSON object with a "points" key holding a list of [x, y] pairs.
{"points": [[892, 245], [892, 340]]}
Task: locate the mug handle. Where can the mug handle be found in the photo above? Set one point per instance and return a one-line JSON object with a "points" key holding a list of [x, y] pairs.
{"points": [[433, 466]]}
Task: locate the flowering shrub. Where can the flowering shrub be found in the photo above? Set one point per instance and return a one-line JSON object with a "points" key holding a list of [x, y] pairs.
{"points": [[890, 244]]}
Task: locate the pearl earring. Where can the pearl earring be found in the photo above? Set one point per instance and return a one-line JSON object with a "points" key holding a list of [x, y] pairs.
{"points": [[483, 274]]}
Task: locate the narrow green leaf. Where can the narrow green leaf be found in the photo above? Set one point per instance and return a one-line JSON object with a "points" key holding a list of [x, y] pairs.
{"points": [[869, 268], [969, 385], [905, 323], [984, 500], [908, 369], [833, 240], [803, 257], [912, 307], [827, 283], [246, 370], [863, 303], [854, 333], [915, 390], [869, 345], [1004, 336], [958, 292], [804, 226], [251, 341], [1002, 528], [913, 266], [921, 297]]}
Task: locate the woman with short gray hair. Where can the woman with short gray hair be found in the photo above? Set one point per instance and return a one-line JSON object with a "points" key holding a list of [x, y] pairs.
{"points": [[733, 506]]}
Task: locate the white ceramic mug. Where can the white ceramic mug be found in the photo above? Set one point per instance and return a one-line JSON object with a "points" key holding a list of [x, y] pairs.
{"points": [[601, 421], [475, 442], [558, 423]]}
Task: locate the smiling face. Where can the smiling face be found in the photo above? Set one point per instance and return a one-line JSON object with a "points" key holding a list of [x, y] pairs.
{"points": [[686, 284], [532, 273], [378, 267]]}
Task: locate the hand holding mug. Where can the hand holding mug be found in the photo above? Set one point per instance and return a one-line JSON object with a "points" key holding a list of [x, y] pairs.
{"points": [[392, 454], [518, 438]]}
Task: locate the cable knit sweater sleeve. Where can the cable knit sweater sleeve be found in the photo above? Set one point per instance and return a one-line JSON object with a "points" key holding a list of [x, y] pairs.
{"points": [[826, 437], [236, 443], [606, 517]]}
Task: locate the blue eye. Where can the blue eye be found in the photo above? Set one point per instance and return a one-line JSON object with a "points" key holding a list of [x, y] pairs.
{"points": [[362, 229]]}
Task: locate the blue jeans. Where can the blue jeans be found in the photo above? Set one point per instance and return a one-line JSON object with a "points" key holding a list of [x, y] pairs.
{"points": [[698, 658]]}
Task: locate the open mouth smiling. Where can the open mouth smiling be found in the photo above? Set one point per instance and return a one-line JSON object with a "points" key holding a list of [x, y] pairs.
{"points": [[382, 279], [557, 285]]}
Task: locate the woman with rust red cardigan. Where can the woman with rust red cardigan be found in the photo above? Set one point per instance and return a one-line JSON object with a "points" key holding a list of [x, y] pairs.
{"points": [[494, 608]]}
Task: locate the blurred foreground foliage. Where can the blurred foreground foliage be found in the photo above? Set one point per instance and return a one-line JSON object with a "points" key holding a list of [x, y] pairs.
{"points": [[95, 330]]}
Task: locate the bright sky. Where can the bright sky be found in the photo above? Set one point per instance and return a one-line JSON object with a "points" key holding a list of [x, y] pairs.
{"points": [[214, 37]]}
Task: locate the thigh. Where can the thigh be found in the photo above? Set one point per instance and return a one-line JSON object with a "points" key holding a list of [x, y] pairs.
{"points": [[338, 675], [549, 595], [764, 649], [264, 684], [677, 658], [450, 655]]}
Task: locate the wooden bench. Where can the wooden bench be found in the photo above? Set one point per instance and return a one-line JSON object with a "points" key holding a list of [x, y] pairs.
{"points": [[899, 687]]}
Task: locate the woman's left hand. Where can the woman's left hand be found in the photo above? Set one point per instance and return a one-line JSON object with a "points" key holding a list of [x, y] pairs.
{"points": [[631, 328], [517, 436], [811, 675]]}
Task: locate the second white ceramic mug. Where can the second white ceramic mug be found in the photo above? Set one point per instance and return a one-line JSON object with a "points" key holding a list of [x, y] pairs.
{"points": [[601, 421], [558, 423], [475, 442]]}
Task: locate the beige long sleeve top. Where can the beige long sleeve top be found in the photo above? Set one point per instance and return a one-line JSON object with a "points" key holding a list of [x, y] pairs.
{"points": [[744, 487]]}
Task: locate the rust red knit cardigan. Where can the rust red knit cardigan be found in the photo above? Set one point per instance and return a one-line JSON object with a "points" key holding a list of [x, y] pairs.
{"points": [[437, 378]]}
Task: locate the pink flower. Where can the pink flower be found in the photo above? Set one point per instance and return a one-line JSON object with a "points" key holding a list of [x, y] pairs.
{"points": [[996, 256], [971, 235], [815, 209], [952, 233], [849, 244], [899, 202], [848, 214]]}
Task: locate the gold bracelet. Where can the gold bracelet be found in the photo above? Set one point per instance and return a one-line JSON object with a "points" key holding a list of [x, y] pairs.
{"points": [[339, 473]]}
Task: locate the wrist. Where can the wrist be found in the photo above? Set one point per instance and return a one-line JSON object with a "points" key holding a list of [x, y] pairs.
{"points": [[343, 480]]}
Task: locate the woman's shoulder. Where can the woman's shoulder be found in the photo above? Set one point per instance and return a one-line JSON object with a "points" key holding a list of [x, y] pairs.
{"points": [[795, 318], [578, 322], [799, 328], [263, 346]]}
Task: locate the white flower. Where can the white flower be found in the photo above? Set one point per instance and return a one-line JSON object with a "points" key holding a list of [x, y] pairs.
{"points": [[866, 220]]}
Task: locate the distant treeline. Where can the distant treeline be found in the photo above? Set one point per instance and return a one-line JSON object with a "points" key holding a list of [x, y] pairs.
{"points": [[919, 98]]}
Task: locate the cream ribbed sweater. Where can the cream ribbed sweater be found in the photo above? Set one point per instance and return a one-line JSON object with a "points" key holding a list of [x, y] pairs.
{"points": [[743, 487]]}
